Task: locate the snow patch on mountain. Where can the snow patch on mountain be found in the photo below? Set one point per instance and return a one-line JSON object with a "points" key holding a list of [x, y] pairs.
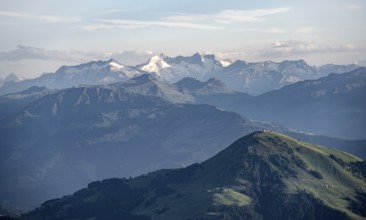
{"points": [[155, 64], [198, 66], [225, 63], [115, 66]]}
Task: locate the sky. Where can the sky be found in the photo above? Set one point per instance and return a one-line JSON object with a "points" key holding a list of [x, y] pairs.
{"points": [[41, 35]]}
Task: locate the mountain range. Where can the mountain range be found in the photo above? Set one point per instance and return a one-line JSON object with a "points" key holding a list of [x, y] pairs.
{"points": [[264, 175], [253, 78], [58, 140], [92, 73], [333, 105]]}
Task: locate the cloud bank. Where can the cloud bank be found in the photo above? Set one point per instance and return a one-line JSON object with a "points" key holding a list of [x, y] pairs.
{"points": [[26, 52], [285, 48], [33, 53], [212, 21], [40, 18]]}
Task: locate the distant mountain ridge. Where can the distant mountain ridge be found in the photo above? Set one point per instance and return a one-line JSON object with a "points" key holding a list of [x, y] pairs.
{"points": [[333, 105], [252, 78], [92, 73]]}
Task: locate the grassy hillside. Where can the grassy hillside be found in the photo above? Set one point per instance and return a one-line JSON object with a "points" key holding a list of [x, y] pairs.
{"points": [[264, 175]]}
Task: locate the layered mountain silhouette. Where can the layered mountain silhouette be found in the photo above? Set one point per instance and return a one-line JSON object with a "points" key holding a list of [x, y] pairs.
{"points": [[62, 140], [264, 175], [252, 78], [65, 139], [102, 119], [333, 105]]}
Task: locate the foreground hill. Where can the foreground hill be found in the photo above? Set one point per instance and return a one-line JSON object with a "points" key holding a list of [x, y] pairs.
{"points": [[264, 175]]}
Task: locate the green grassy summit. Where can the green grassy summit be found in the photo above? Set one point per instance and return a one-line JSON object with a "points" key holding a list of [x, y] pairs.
{"points": [[264, 175]]}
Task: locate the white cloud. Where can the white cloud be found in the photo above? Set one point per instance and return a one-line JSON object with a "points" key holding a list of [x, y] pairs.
{"points": [[273, 30], [230, 16], [130, 58], [287, 48], [192, 21], [105, 24], [26, 52], [232, 56], [32, 61], [39, 18]]}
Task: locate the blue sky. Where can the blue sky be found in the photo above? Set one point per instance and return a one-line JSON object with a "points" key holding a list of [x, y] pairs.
{"points": [[40, 35]]}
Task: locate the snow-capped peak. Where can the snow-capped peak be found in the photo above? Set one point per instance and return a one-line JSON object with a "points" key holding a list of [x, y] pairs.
{"points": [[225, 63], [115, 66], [156, 63]]}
